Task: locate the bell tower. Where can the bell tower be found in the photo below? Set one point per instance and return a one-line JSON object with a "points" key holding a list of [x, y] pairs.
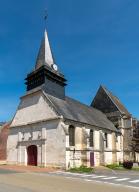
{"points": [[46, 73]]}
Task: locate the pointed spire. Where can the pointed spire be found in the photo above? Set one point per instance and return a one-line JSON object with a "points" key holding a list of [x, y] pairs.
{"points": [[45, 56]]}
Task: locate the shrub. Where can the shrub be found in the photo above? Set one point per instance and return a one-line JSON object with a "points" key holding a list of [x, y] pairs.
{"points": [[128, 164], [112, 166], [82, 169]]}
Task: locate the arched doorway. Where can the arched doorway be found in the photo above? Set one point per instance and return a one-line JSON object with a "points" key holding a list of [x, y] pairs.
{"points": [[32, 155]]}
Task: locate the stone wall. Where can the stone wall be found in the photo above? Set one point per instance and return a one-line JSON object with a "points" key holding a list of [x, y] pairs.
{"points": [[55, 145], [80, 153], [49, 137], [33, 108]]}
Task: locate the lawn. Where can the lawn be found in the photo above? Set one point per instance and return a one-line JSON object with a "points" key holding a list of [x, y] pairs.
{"points": [[120, 167], [116, 167], [82, 169]]}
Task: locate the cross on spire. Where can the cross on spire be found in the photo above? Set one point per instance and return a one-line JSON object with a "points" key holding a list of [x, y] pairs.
{"points": [[45, 17]]}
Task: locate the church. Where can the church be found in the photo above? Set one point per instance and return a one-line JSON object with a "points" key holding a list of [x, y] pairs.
{"points": [[52, 129], [117, 113]]}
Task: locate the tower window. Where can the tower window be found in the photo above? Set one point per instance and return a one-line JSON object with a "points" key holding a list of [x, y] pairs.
{"points": [[91, 138], [71, 135]]}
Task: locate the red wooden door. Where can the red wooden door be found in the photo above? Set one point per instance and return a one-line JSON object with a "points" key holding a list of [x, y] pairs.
{"points": [[91, 159], [32, 155]]}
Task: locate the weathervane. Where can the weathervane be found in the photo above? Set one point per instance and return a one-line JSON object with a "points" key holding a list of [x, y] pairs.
{"points": [[45, 17]]}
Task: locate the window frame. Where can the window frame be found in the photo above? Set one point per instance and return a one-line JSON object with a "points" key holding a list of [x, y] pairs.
{"points": [[71, 136], [106, 140], [91, 138]]}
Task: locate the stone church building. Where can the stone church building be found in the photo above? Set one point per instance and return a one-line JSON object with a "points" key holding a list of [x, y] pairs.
{"points": [[117, 113], [52, 129]]}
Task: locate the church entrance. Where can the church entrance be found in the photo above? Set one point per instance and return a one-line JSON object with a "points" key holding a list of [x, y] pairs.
{"points": [[32, 155]]}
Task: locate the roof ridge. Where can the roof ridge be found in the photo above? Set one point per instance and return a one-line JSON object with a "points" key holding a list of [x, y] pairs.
{"points": [[46, 95]]}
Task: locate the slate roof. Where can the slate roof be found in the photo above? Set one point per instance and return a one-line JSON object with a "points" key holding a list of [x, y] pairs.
{"points": [[74, 110], [40, 61], [45, 56], [117, 102]]}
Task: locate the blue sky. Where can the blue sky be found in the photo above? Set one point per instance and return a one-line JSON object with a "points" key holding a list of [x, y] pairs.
{"points": [[94, 42]]}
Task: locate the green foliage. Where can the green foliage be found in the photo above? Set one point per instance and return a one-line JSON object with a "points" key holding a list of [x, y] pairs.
{"points": [[81, 169], [121, 167], [135, 168], [128, 164], [114, 166]]}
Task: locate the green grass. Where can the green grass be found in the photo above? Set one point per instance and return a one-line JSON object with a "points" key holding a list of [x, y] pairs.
{"points": [[120, 167], [81, 169], [115, 166], [135, 168]]}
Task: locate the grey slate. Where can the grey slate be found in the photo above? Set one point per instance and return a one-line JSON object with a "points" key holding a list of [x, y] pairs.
{"points": [[41, 55], [74, 110], [107, 102], [117, 102]]}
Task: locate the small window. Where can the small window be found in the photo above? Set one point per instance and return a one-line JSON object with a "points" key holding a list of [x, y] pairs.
{"points": [[116, 138], [106, 140], [91, 138], [71, 135]]}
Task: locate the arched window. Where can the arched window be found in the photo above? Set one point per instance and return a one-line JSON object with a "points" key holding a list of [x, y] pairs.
{"points": [[91, 138], [71, 135]]}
